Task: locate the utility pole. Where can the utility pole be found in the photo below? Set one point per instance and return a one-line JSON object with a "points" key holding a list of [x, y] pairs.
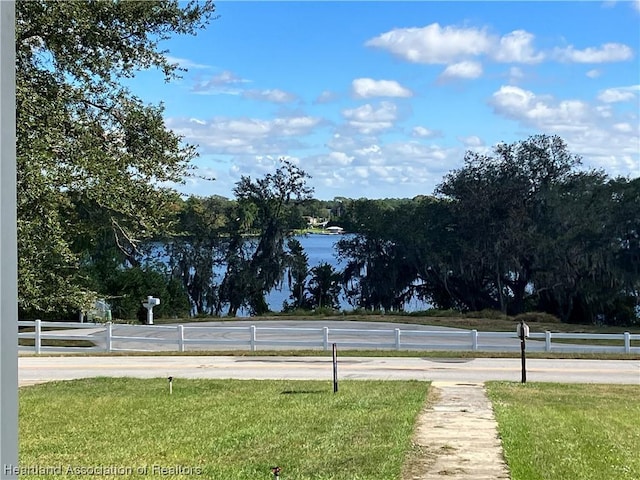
{"points": [[8, 248]]}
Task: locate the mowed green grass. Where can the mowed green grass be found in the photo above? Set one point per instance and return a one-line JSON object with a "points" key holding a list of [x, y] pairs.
{"points": [[219, 429], [569, 432]]}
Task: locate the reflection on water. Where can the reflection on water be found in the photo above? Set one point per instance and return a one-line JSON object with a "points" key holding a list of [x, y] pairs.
{"points": [[321, 248]]}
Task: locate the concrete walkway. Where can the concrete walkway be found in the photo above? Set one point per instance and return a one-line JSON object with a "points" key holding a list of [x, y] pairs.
{"points": [[457, 436]]}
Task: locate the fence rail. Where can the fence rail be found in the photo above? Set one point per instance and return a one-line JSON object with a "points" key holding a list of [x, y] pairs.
{"points": [[121, 338]]}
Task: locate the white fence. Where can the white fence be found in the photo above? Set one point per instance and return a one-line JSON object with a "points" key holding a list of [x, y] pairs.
{"points": [[122, 338]]}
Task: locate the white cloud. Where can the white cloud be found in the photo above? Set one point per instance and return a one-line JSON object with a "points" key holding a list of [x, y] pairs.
{"points": [[422, 132], [220, 84], [275, 95], [524, 105], [370, 168], [594, 73], [471, 141], [620, 94], [451, 45], [341, 158], [367, 88], [227, 77], [433, 44], [604, 138], [623, 127], [186, 63], [516, 47], [243, 136], [466, 69], [368, 119], [609, 52]]}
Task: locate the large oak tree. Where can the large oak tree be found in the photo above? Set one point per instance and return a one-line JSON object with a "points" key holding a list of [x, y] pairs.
{"points": [[91, 155]]}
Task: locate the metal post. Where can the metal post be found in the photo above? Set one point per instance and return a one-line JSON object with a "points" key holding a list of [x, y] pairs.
{"points": [[335, 368], [522, 352], [8, 248], [397, 332]]}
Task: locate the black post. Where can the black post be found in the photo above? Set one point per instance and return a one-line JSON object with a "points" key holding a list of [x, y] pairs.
{"points": [[522, 352], [335, 369]]}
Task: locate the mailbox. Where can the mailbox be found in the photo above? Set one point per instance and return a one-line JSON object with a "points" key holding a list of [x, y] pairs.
{"points": [[522, 330], [149, 304], [152, 301]]}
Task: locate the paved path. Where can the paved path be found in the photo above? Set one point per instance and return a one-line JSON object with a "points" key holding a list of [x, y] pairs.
{"points": [[458, 436], [34, 369]]}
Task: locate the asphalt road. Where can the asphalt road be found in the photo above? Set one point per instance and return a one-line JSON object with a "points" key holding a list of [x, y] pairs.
{"points": [[42, 369]]}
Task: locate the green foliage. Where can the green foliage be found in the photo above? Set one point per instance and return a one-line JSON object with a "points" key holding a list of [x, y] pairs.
{"points": [[436, 312], [199, 248], [536, 317], [486, 313], [518, 230], [257, 264], [128, 288], [324, 287], [87, 149], [298, 270]]}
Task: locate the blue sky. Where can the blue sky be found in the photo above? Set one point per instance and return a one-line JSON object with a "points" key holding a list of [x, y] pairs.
{"points": [[382, 99]]}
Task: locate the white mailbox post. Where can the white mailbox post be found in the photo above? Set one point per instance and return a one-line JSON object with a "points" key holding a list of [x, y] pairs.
{"points": [[149, 304]]}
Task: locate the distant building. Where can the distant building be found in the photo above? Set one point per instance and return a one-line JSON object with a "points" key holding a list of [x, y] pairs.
{"points": [[316, 222]]}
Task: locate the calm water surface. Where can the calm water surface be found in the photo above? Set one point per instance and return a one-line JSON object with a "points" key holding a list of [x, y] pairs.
{"points": [[322, 248]]}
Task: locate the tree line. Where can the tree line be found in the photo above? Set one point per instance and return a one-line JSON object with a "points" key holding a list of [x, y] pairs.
{"points": [[523, 228]]}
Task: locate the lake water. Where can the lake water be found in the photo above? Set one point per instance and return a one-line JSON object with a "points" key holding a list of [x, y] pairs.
{"points": [[321, 248]]}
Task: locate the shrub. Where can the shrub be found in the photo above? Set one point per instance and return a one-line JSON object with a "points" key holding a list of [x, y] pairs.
{"points": [[435, 312], [537, 317], [130, 287], [487, 313]]}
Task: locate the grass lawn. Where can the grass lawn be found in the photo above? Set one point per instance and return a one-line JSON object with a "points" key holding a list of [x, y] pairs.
{"points": [[219, 429], [569, 432]]}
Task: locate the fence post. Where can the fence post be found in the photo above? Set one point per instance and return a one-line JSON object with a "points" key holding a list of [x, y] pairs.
{"points": [[397, 338], [109, 334], [38, 339], [474, 340], [325, 339], [181, 338], [252, 340], [547, 341], [627, 342]]}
